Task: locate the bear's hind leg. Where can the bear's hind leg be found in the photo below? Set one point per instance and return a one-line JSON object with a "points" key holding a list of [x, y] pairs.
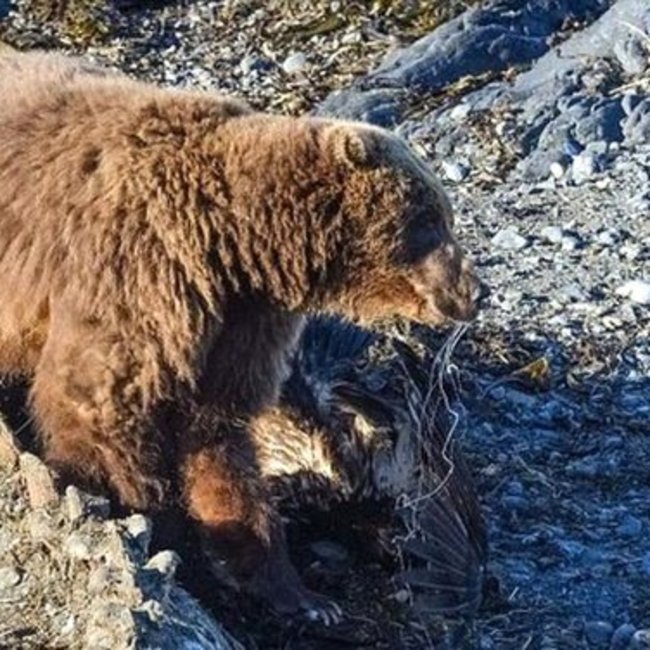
{"points": [[241, 531], [96, 428]]}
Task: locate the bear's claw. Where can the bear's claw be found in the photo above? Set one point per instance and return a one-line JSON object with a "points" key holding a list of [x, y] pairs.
{"points": [[324, 611]]}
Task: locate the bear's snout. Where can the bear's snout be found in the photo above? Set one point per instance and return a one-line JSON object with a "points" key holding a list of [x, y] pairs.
{"points": [[449, 287]]}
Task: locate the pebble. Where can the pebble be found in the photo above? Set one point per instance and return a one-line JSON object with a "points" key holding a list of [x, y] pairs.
{"points": [[250, 64], [583, 167], [553, 234], [39, 481], [509, 239], [637, 291], [570, 242], [355, 36], [598, 149], [99, 580], [40, 524], [574, 293], [632, 54], [630, 101], [599, 633], [459, 112], [622, 636], [164, 562], [607, 237], [154, 611], [9, 448], [641, 640], [631, 251], [630, 527], [454, 171], [572, 147], [74, 504], [557, 170], [78, 546], [9, 577], [295, 63], [140, 530], [69, 626]]}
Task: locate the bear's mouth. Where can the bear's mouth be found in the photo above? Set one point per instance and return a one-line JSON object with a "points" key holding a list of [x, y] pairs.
{"points": [[442, 309]]}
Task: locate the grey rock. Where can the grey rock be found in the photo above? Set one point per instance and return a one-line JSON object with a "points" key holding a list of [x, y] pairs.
{"points": [[255, 64], [583, 167], [459, 112], [630, 527], [509, 239], [80, 505], [9, 578], [165, 563], [153, 610], [99, 580], [552, 234], [40, 524], [554, 73], [630, 101], [557, 169], [637, 291], [641, 640], [622, 636], [74, 503], [574, 293], [139, 528], [454, 171], [598, 633], [599, 149], [479, 40], [78, 546], [295, 63], [608, 237], [636, 127], [380, 107], [111, 624], [602, 123], [570, 242], [632, 54]]}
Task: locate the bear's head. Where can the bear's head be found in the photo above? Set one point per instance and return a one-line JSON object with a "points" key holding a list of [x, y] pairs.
{"points": [[401, 256], [342, 217]]}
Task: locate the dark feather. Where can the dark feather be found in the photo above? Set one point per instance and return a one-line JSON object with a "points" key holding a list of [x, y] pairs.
{"points": [[337, 383]]}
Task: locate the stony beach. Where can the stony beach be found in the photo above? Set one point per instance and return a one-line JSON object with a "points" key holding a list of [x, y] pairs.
{"points": [[536, 116]]}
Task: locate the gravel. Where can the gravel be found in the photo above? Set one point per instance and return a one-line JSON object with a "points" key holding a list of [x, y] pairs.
{"points": [[542, 144], [71, 577]]}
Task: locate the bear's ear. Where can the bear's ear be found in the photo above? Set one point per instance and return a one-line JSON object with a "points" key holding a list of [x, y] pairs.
{"points": [[350, 146]]}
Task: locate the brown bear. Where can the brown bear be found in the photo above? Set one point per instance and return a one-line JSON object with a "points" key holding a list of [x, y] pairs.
{"points": [[158, 250]]}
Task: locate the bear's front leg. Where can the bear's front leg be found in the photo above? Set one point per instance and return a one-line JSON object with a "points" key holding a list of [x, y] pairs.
{"points": [[242, 534]]}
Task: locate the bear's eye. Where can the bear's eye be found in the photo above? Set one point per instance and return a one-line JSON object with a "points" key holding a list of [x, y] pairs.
{"points": [[422, 238]]}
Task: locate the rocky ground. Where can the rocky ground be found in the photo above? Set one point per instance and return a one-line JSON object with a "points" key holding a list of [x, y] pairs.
{"points": [[537, 116]]}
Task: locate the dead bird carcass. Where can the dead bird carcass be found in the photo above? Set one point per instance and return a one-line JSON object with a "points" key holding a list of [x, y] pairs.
{"points": [[364, 436]]}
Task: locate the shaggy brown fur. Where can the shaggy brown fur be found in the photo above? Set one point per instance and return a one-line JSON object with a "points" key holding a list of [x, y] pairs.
{"points": [[157, 248]]}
